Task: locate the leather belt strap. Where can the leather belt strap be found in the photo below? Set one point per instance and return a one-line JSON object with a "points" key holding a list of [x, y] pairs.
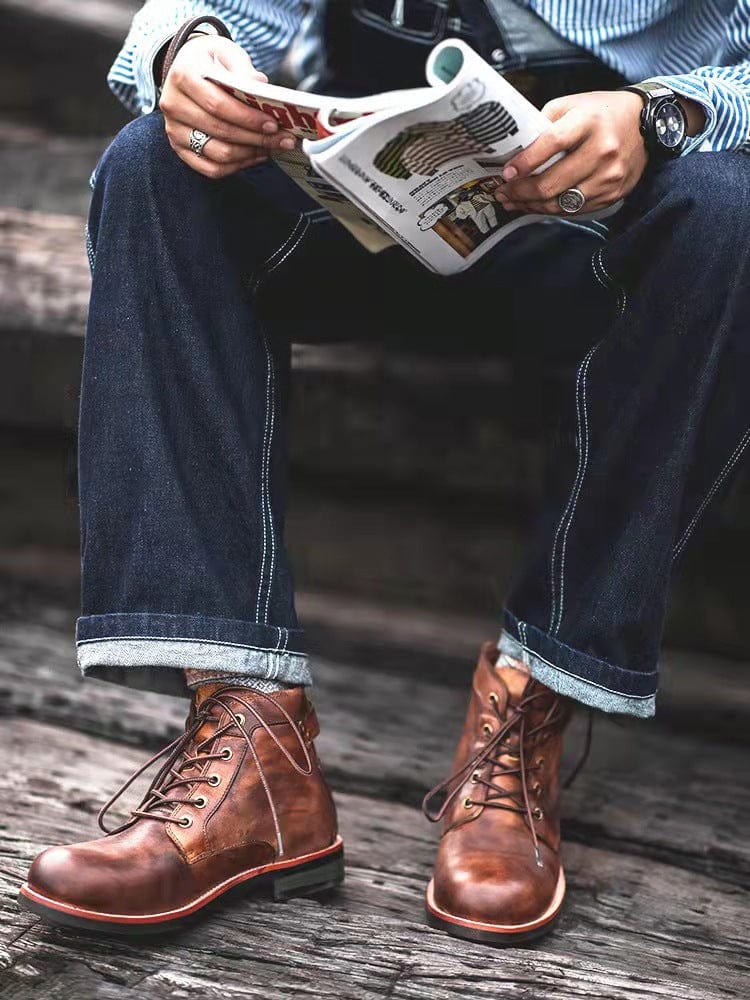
{"points": [[184, 32]]}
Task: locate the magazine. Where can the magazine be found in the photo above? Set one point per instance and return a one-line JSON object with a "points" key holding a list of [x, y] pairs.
{"points": [[418, 167]]}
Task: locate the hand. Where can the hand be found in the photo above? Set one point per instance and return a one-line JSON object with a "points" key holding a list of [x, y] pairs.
{"points": [[605, 155], [240, 136]]}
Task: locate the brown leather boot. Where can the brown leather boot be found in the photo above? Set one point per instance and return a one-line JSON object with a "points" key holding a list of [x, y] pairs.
{"points": [[498, 876], [240, 800]]}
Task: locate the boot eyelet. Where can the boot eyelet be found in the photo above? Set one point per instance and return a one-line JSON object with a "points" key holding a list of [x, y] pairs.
{"points": [[468, 803], [537, 813], [201, 802], [493, 698], [536, 789], [487, 729], [214, 780], [540, 762], [240, 718], [475, 777], [227, 753], [186, 821]]}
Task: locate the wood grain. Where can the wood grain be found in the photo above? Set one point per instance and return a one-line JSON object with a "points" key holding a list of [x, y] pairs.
{"points": [[646, 791], [695, 935]]}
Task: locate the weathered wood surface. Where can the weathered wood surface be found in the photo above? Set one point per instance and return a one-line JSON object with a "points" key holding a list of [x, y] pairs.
{"points": [[44, 278], [663, 795], [696, 935], [54, 58], [47, 173]]}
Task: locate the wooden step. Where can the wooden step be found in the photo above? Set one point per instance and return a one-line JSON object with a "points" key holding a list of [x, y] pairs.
{"points": [[651, 791], [54, 58], [621, 936]]}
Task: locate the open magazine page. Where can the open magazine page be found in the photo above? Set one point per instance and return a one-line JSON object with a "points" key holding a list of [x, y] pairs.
{"points": [[300, 114], [429, 175]]}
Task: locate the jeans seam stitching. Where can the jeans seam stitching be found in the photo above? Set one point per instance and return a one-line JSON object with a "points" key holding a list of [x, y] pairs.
{"points": [[174, 638], [292, 248], [584, 680], [578, 491], [574, 493], [596, 273], [268, 525], [284, 245], [263, 469], [729, 465], [622, 297]]}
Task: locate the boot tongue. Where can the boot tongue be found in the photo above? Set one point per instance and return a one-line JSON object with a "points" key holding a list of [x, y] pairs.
{"points": [[514, 679], [204, 691]]}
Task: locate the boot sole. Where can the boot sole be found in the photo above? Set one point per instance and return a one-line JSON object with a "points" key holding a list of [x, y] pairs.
{"points": [[499, 935], [308, 875]]}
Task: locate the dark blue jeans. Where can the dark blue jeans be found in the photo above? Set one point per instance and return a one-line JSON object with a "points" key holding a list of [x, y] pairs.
{"points": [[198, 289]]}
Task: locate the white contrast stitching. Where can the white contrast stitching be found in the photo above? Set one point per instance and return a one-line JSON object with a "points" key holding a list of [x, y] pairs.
{"points": [[731, 462], [596, 273], [567, 516], [268, 524], [572, 489], [172, 638], [269, 377], [285, 244], [622, 297], [583, 680], [291, 249], [578, 491], [267, 482]]}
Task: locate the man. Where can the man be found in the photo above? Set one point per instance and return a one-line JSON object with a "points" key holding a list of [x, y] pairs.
{"points": [[205, 265]]}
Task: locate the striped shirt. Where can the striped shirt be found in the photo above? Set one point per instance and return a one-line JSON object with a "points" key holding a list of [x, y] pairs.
{"points": [[699, 48], [423, 148]]}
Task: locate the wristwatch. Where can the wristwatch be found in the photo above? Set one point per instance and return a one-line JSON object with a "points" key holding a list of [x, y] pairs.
{"points": [[664, 123]]}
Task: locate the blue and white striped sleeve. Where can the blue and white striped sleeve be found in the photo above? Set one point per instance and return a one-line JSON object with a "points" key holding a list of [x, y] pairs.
{"points": [[722, 89], [264, 28]]}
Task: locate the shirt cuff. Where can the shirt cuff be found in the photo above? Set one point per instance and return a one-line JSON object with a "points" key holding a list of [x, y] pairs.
{"points": [[727, 108], [145, 73]]}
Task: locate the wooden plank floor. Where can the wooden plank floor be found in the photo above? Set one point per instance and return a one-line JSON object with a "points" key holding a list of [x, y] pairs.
{"points": [[656, 849]]}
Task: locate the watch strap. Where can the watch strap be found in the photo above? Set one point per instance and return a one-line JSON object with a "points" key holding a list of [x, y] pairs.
{"points": [[650, 90], [184, 32]]}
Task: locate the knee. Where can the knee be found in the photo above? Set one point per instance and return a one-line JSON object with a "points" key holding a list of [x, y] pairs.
{"points": [[138, 152], [711, 192]]}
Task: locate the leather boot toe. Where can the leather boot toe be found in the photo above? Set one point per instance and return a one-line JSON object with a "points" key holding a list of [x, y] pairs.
{"points": [[239, 802], [498, 876]]}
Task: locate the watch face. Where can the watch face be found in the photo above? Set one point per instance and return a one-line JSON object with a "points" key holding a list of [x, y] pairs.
{"points": [[669, 122]]}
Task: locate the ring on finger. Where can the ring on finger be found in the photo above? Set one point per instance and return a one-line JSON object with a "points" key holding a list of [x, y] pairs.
{"points": [[571, 201], [198, 140]]}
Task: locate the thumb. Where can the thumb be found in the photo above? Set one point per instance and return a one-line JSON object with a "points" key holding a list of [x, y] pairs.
{"points": [[554, 110], [234, 58]]}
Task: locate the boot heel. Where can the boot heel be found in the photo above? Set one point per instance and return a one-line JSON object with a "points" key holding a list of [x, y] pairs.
{"points": [[306, 880]]}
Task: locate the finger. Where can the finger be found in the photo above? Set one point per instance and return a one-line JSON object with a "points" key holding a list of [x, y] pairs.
{"points": [[186, 112], [554, 110], [562, 136], [218, 171], [234, 58], [598, 195], [225, 153], [191, 116], [213, 100], [564, 174]]}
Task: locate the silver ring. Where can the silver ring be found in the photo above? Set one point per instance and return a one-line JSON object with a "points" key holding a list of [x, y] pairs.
{"points": [[198, 140], [571, 201]]}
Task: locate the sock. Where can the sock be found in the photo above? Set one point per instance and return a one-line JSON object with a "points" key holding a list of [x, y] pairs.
{"points": [[195, 678], [504, 660]]}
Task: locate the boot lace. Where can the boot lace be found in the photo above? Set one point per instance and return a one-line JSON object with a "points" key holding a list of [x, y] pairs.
{"points": [[513, 739], [185, 766]]}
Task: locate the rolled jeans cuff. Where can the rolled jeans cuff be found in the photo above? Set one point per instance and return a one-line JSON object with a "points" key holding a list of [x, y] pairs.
{"points": [[138, 650], [577, 675]]}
